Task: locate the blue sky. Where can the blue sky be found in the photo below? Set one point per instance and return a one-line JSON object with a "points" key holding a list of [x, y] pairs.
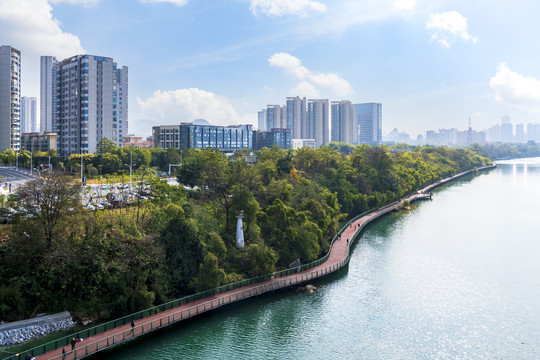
{"points": [[432, 64]]}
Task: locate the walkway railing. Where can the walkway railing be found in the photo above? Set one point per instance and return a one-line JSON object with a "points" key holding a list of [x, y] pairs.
{"points": [[274, 281]]}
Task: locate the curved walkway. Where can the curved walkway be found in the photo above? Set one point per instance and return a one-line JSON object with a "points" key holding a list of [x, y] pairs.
{"points": [[338, 257]]}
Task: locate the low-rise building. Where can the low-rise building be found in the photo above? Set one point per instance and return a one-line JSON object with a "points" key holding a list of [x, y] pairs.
{"points": [[136, 141], [300, 143], [38, 141], [201, 136], [279, 137]]}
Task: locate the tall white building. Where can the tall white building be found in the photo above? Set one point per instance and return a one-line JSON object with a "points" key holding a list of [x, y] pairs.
{"points": [[296, 116], [47, 100], [318, 121], [368, 119], [507, 130], [261, 120], [29, 121], [10, 98], [89, 102], [342, 128]]}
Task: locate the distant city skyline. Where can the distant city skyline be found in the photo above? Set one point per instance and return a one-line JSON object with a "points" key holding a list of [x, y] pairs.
{"points": [[432, 64]]}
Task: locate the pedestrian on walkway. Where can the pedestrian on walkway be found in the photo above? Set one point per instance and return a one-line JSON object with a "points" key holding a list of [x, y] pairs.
{"points": [[73, 342], [63, 353], [347, 241], [133, 327]]}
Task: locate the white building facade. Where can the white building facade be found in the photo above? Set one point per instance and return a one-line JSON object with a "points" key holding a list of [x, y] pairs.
{"points": [[10, 98]]}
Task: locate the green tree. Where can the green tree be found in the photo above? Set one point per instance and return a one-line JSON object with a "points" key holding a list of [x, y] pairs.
{"points": [[106, 146], [55, 197]]}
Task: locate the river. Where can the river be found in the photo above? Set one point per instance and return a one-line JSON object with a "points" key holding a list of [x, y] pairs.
{"points": [[457, 277]]}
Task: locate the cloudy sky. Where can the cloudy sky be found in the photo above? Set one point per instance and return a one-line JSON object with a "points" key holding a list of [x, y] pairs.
{"points": [[432, 64]]}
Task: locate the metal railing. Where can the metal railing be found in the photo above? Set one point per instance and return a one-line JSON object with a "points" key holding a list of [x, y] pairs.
{"points": [[65, 341]]}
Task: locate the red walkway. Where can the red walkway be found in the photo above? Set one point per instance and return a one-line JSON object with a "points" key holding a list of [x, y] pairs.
{"points": [[339, 256]]}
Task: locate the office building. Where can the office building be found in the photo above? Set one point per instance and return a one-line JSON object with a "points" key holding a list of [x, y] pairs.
{"points": [[368, 119], [29, 115], [38, 141], [317, 124], [198, 136], [343, 129], [296, 116], [89, 102], [279, 137], [47, 92], [10, 98]]}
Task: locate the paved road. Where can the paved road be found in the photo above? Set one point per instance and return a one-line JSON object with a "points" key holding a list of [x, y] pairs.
{"points": [[8, 175]]}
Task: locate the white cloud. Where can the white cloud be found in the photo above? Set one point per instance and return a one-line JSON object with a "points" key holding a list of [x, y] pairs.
{"points": [[286, 7], [404, 5], [515, 89], [178, 3], [30, 27], [305, 89], [75, 2], [186, 105], [293, 66], [448, 27]]}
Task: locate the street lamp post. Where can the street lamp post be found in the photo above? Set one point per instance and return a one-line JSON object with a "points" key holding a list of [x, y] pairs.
{"points": [[81, 167], [31, 164], [131, 164]]}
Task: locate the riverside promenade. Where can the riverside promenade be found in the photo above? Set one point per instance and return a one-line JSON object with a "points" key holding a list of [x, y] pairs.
{"points": [[337, 257]]}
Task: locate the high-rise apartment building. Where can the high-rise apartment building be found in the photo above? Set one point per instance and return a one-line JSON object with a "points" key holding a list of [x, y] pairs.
{"points": [[342, 128], [317, 124], [296, 116], [89, 102], [368, 119], [10, 98], [29, 122], [261, 119], [47, 99], [273, 116], [282, 117], [507, 130]]}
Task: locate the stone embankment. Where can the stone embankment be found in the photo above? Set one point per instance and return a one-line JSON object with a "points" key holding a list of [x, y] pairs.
{"points": [[20, 331]]}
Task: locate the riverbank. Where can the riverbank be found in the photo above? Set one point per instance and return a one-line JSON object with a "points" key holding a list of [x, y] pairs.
{"points": [[337, 258]]}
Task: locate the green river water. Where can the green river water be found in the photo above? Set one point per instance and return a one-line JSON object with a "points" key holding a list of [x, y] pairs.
{"points": [[457, 277]]}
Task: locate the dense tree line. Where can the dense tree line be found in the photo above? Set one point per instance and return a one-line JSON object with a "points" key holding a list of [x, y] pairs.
{"points": [[499, 151], [181, 240]]}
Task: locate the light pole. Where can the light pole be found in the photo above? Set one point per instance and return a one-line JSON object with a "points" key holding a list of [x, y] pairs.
{"points": [[50, 164], [16, 161], [130, 166], [81, 167], [31, 164]]}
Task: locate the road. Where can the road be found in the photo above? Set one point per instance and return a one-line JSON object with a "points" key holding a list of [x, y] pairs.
{"points": [[8, 175]]}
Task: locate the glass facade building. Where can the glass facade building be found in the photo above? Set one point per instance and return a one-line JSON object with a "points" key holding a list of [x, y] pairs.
{"points": [[193, 136], [279, 137], [368, 119]]}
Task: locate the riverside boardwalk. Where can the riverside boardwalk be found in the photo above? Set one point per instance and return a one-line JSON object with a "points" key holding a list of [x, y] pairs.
{"points": [[337, 257]]}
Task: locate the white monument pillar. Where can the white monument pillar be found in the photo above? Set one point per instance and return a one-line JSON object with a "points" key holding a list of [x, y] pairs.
{"points": [[240, 230]]}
